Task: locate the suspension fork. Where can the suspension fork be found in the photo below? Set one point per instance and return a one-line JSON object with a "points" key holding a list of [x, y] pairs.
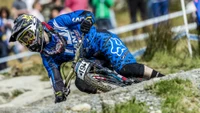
{"points": [[71, 74]]}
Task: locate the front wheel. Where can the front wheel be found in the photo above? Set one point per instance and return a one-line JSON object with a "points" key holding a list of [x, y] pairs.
{"points": [[97, 84]]}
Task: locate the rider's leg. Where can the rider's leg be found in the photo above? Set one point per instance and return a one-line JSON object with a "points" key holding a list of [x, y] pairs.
{"points": [[115, 51], [139, 70]]}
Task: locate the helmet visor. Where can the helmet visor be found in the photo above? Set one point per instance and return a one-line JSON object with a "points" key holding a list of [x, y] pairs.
{"points": [[27, 38]]}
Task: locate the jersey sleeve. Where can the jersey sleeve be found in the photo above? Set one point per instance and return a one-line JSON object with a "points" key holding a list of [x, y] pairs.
{"points": [[71, 19]]}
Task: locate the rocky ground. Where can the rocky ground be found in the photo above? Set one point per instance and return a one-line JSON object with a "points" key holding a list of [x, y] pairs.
{"points": [[37, 97]]}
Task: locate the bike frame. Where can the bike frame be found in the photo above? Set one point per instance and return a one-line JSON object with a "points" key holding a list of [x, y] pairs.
{"points": [[71, 74]]}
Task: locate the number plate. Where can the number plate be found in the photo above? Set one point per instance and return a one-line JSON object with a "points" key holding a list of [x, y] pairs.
{"points": [[82, 69]]}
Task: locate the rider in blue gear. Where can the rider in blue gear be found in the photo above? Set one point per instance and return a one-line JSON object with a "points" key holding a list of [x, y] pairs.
{"points": [[57, 41]]}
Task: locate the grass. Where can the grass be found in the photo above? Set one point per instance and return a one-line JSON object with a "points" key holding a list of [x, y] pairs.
{"points": [[9, 96], [16, 93], [167, 63], [30, 69], [32, 66], [5, 95], [160, 40], [37, 69], [180, 96], [7, 3], [131, 106], [167, 55], [171, 62]]}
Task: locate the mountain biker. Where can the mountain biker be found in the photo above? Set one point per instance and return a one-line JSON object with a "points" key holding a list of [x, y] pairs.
{"points": [[56, 42]]}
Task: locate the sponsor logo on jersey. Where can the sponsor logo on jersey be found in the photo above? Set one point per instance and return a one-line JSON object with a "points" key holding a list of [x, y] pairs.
{"points": [[71, 35], [117, 46], [77, 19]]}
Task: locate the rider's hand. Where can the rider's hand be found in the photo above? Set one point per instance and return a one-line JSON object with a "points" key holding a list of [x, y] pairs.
{"points": [[61, 96], [86, 25]]}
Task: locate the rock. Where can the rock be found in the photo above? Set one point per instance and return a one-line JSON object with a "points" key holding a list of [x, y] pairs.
{"points": [[158, 111], [151, 107], [2, 100], [2, 77], [82, 107], [109, 102], [78, 102]]}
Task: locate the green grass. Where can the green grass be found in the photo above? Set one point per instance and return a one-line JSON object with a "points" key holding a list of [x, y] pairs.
{"points": [[10, 96], [179, 59], [131, 106], [16, 93], [135, 45], [165, 54], [160, 41], [167, 63], [5, 95], [32, 69], [180, 96], [35, 69]]}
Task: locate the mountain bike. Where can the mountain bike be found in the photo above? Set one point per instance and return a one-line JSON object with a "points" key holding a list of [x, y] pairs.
{"points": [[95, 74]]}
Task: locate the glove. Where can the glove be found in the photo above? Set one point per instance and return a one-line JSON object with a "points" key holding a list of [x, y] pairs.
{"points": [[61, 96], [86, 25]]}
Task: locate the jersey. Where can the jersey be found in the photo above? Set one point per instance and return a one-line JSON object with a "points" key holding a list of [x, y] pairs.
{"points": [[68, 27]]}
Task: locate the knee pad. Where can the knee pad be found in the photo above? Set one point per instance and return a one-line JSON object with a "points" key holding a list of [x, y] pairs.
{"points": [[84, 87], [132, 70]]}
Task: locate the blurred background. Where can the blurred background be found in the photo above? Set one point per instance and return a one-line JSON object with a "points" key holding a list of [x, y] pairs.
{"points": [[153, 30]]}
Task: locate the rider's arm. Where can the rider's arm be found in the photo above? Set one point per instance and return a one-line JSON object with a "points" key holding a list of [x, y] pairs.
{"points": [[71, 19], [54, 73]]}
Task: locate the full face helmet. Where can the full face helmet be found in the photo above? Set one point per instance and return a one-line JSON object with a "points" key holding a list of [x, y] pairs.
{"points": [[28, 31]]}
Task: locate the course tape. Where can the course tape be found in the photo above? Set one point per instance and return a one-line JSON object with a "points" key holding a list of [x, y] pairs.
{"points": [[182, 27], [178, 30], [133, 38], [17, 56], [27, 54], [193, 37], [139, 52], [148, 22]]}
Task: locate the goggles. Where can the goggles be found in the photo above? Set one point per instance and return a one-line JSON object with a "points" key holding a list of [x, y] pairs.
{"points": [[27, 38]]}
